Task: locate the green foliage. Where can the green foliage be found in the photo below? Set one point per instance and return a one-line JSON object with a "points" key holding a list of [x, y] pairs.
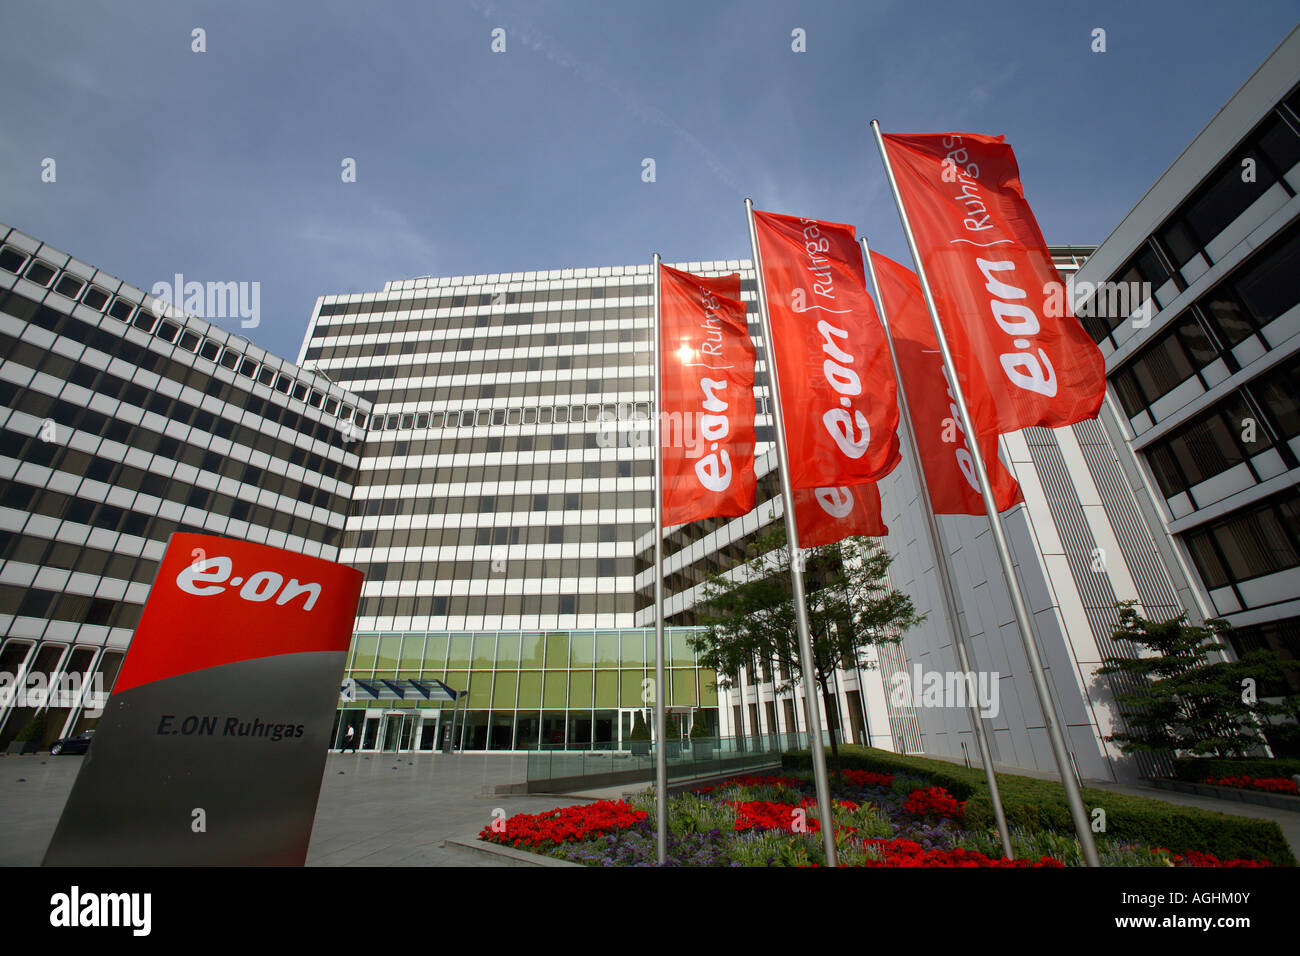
{"points": [[903, 785], [700, 728], [1039, 806], [640, 732], [957, 780], [35, 729], [851, 607], [687, 813], [772, 848], [1196, 769], [870, 820], [1185, 702]]}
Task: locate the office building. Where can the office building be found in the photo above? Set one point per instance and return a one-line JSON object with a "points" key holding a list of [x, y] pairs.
{"points": [[504, 481], [1205, 386], [123, 420]]}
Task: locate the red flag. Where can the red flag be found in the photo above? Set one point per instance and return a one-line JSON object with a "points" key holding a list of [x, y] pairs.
{"points": [[826, 515], [944, 450], [707, 424], [837, 384], [997, 292]]}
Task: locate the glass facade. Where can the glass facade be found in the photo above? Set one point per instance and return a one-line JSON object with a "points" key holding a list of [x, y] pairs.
{"points": [[527, 690]]}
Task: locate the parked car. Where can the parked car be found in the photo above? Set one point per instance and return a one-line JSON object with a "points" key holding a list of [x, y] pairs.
{"points": [[77, 744]]}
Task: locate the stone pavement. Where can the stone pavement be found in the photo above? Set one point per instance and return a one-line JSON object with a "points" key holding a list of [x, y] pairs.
{"points": [[374, 809]]}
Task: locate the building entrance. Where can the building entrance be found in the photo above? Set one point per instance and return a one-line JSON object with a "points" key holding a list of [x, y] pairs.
{"points": [[398, 732]]}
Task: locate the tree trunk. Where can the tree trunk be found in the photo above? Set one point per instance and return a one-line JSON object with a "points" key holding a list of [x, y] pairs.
{"points": [[831, 721]]}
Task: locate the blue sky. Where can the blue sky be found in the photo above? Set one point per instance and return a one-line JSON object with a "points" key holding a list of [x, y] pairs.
{"points": [[225, 165]]}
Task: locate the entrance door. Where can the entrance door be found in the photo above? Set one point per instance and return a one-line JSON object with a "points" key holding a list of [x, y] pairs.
{"points": [[429, 731], [398, 731]]}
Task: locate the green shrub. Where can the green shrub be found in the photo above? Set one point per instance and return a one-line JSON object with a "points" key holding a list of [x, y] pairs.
{"points": [[1039, 805], [959, 781], [1196, 769], [640, 732], [35, 729]]}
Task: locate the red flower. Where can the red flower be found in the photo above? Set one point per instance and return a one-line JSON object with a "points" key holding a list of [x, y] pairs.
{"points": [[1270, 784], [565, 825], [866, 778], [933, 801]]}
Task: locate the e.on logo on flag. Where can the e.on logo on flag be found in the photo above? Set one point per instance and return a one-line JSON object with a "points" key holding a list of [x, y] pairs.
{"points": [[838, 392], [707, 376], [218, 601]]}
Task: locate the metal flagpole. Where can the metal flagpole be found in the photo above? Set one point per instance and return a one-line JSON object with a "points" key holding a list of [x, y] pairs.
{"points": [[661, 728], [944, 574], [812, 712], [1060, 751]]}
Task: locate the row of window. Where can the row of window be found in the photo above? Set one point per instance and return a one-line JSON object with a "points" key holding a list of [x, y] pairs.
{"points": [[1270, 151], [70, 286], [459, 300], [113, 346], [600, 389], [1249, 543], [535, 472], [510, 605], [1256, 293], [1263, 415], [472, 355], [572, 502], [69, 417], [501, 371], [624, 325], [483, 417], [503, 569], [114, 472], [149, 526], [77, 558], [469, 537], [62, 606]]}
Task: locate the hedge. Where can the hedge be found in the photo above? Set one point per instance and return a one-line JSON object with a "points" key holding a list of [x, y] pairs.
{"points": [[1040, 805], [1196, 769]]}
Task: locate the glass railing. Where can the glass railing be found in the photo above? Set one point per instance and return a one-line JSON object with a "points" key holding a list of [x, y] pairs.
{"points": [[689, 758]]}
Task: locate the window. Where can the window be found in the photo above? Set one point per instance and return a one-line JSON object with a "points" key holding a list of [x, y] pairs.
{"points": [[41, 273], [69, 286], [1257, 292], [1248, 544], [1174, 356]]}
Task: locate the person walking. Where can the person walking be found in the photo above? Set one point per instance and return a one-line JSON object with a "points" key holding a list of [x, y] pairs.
{"points": [[349, 740]]}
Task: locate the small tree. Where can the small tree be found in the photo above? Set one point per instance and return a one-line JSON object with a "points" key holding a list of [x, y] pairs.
{"points": [[640, 731], [34, 731], [1184, 702], [851, 608]]}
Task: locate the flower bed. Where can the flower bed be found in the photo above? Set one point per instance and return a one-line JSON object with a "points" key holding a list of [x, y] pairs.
{"points": [[877, 819], [1268, 784], [566, 825]]}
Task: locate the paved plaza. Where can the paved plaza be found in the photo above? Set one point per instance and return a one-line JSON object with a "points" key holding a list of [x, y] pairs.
{"points": [[375, 809]]}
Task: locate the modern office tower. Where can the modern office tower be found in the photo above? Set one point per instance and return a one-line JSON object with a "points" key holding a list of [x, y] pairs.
{"points": [[504, 481], [1205, 386], [124, 420]]}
